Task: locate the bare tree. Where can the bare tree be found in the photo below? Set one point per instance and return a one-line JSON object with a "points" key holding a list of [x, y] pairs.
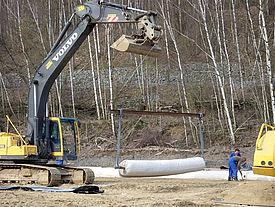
{"points": [[227, 59], [267, 56], [259, 63], [203, 15], [7, 95], [50, 23], [38, 27], [138, 76], [22, 43], [72, 86], [93, 76], [142, 77], [167, 49], [168, 24], [3, 102], [98, 42], [98, 74], [238, 48], [110, 78]]}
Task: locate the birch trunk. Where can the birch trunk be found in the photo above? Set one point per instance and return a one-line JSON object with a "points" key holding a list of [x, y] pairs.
{"points": [[98, 42], [181, 69], [110, 79], [147, 88], [142, 77], [9, 20], [3, 102], [50, 23], [59, 99], [214, 84], [238, 49], [98, 76], [7, 95], [228, 61], [259, 63], [1, 33], [183, 118], [217, 103], [22, 43], [167, 50], [93, 76], [72, 86], [38, 28], [203, 14], [268, 58], [157, 84], [180, 15], [274, 32], [138, 76]]}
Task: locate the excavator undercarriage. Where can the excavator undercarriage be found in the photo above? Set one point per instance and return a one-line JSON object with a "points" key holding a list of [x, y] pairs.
{"points": [[24, 167], [49, 175]]}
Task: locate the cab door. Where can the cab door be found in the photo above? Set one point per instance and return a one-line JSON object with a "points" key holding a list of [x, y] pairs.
{"points": [[69, 132], [56, 142]]}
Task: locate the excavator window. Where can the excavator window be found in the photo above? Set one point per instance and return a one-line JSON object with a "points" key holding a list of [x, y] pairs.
{"points": [[54, 130], [68, 134], [55, 136]]}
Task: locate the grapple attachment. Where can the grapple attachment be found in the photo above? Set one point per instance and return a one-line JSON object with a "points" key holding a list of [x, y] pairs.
{"points": [[144, 43], [137, 46]]}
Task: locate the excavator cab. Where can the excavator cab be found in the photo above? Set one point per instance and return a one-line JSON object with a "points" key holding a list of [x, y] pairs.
{"points": [[64, 137]]}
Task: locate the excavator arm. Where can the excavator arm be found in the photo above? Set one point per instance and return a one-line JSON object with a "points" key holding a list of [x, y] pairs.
{"points": [[90, 13]]}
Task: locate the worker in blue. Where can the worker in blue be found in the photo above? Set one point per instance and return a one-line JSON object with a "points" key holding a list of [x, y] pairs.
{"points": [[233, 168], [236, 153]]}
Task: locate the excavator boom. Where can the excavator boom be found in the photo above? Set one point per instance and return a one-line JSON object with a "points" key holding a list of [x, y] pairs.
{"points": [[90, 13]]}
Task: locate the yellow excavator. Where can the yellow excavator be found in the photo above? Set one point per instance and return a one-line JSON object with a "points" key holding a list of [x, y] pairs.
{"points": [[264, 156], [57, 138]]}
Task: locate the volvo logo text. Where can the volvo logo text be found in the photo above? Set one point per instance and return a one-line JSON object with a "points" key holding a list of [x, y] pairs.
{"points": [[65, 47]]}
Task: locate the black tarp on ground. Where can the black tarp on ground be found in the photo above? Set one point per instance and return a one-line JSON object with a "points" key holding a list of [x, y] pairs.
{"points": [[86, 189]]}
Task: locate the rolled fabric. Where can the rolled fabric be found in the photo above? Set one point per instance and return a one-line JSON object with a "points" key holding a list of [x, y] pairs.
{"points": [[146, 168]]}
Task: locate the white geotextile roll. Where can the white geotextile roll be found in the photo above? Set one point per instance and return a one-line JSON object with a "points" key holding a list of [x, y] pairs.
{"points": [[140, 168]]}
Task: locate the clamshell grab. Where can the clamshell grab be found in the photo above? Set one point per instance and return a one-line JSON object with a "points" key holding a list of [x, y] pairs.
{"points": [[137, 46]]}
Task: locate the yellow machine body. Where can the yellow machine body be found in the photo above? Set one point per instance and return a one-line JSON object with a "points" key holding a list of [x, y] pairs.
{"points": [[63, 141], [29, 168], [11, 146], [264, 156]]}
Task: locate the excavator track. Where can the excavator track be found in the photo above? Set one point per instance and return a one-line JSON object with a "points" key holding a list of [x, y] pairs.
{"points": [[76, 175], [48, 175]]}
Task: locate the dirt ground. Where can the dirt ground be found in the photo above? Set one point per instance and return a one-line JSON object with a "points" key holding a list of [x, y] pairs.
{"points": [[124, 192]]}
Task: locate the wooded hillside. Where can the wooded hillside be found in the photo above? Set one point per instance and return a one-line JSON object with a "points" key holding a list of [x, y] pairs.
{"points": [[216, 58]]}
